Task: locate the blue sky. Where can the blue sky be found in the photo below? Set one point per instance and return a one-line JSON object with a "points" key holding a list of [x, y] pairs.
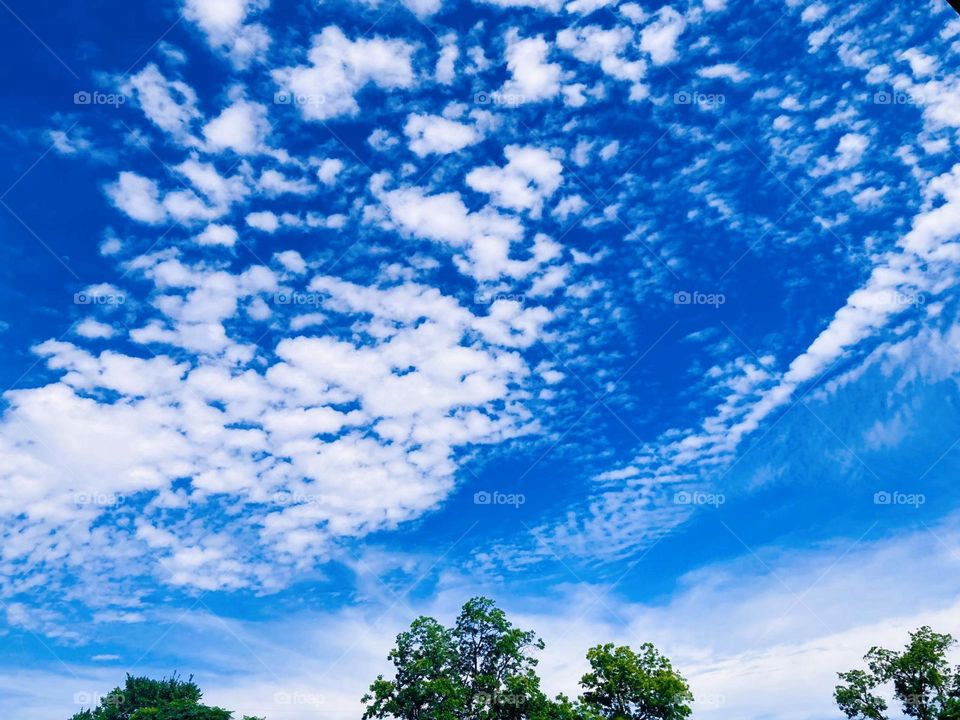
{"points": [[639, 318]]}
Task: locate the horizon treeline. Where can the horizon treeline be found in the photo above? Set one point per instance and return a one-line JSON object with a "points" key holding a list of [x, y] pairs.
{"points": [[485, 668]]}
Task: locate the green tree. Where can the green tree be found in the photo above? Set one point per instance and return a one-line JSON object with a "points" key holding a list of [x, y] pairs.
{"points": [[922, 681], [627, 685], [485, 668], [425, 684], [494, 663], [142, 698], [480, 669]]}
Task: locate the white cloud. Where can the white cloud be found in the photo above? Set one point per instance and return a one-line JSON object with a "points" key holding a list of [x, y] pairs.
{"points": [[530, 176], [446, 69], [659, 38], [263, 220], [274, 183], [532, 78], [241, 127], [225, 24], [215, 234], [170, 104], [546, 5], [340, 67], [92, 329], [328, 171], [594, 44], [482, 241], [585, 7], [222, 192], [138, 197], [292, 261], [434, 134], [729, 71]]}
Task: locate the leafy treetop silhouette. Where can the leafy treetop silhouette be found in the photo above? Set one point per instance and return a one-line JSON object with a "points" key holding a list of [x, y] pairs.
{"points": [[922, 681], [143, 698], [484, 668]]}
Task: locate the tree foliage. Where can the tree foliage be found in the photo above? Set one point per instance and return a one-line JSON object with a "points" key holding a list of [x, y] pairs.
{"points": [[484, 668], [919, 676], [142, 698], [627, 685]]}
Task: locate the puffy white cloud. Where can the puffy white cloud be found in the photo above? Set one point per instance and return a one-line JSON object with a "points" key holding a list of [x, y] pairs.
{"points": [[446, 70], [435, 377], [532, 77], [482, 241], [225, 24], [547, 5], [659, 37], [93, 329], [215, 234], [138, 197], [340, 67], [729, 71], [594, 44], [530, 176], [585, 7], [170, 104], [274, 183], [850, 150], [292, 261], [222, 192], [328, 171], [241, 127], [263, 220], [435, 134]]}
